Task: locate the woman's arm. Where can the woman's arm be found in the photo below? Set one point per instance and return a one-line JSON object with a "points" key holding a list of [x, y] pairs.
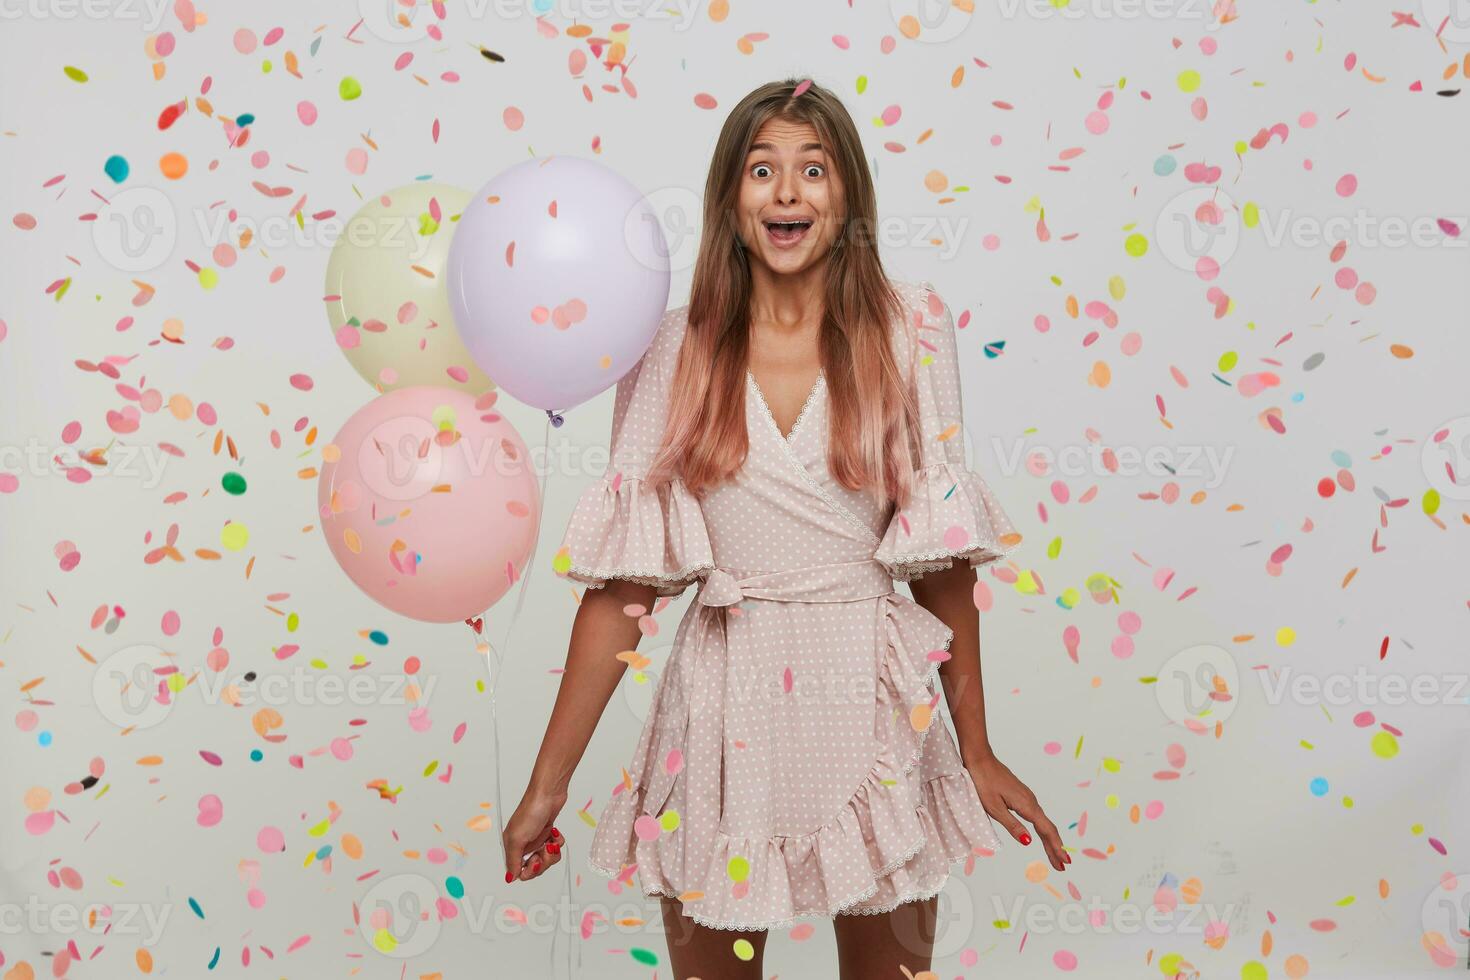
{"points": [[949, 595], [600, 631]]}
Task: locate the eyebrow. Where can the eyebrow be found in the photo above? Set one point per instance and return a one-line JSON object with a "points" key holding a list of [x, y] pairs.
{"points": [[763, 145]]}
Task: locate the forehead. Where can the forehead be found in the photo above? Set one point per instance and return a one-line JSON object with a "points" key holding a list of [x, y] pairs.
{"points": [[785, 135]]}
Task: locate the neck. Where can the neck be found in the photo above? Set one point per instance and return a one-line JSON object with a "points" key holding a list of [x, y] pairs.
{"points": [[788, 300]]}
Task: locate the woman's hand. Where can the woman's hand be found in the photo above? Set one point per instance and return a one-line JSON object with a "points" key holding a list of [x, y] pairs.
{"points": [[1001, 791], [531, 843], [601, 628]]}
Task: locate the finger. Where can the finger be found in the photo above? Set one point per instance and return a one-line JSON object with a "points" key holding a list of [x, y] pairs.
{"points": [[514, 852], [996, 807], [1054, 847], [538, 862], [550, 856], [1051, 840], [1029, 809]]}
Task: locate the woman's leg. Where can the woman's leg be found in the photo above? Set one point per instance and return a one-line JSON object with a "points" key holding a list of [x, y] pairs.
{"points": [[709, 954], [877, 947]]}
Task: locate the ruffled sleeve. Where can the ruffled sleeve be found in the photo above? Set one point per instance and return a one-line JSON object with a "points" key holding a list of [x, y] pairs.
{"points": [[624, 527], [952, 512]]}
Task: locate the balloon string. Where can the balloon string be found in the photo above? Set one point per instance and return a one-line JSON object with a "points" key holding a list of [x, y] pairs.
{"points": [[567, 896], [494, 673], [514, 620]]}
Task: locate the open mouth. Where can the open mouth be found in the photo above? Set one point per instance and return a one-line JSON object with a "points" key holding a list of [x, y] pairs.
{"points": [[787, 232]]}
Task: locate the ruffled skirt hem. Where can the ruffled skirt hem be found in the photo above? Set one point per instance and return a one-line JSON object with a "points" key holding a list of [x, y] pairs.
{"points": [[892, 842]]}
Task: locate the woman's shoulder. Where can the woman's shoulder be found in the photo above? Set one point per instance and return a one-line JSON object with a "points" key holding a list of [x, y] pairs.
{"points": [[924, 314], [918, 297], [669, 336]]}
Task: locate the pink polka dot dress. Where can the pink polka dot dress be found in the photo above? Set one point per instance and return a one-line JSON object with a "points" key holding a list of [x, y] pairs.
{"points": [[793, 762]]}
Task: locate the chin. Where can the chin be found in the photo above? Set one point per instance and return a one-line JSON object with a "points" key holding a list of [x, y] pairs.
{"points": [[786, 263]]}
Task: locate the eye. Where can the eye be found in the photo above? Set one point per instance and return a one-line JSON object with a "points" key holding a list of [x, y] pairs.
{"points": [[755, 171], [820, 170]]}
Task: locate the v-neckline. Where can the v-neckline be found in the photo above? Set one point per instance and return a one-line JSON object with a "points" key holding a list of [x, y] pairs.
{"points": [[800, 416]]}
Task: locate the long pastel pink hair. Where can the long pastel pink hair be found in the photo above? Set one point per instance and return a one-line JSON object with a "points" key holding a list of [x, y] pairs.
{"points": [[872, 409]]}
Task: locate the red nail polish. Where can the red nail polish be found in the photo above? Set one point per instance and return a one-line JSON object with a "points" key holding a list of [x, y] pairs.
{"points": [[1025, 837], [555, 832], [509, 877], [535, 866], [553, 848]]}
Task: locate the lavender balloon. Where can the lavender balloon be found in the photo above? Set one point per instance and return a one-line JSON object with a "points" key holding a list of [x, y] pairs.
{"points": [[558, 286]]}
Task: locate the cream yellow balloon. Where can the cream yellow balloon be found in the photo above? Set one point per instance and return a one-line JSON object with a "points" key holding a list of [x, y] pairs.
{"points": [[387, 296]]}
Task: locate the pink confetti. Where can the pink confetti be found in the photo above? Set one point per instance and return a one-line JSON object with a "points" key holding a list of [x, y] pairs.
{"points": [[647, 828], [211, 810]]}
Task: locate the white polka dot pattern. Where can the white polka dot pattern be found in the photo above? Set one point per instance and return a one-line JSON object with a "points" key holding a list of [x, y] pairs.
{"points": [[790, 765], [953, 513]]}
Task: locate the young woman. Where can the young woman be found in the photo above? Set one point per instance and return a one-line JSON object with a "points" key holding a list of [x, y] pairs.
{"points": [[790, 442]]}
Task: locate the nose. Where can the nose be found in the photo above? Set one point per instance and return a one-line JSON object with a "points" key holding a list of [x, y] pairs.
{"points": [[786, 188]]}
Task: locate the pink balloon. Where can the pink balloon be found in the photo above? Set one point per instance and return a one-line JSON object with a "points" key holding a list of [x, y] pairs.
{"points": [[431, 504], [559, 286]]}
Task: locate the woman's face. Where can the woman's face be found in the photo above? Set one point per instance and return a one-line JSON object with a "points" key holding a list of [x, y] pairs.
{"points": [[791, 205]]}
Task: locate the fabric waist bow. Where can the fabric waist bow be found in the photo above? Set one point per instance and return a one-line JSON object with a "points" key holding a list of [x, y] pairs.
{"points": [[697, 674]]}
